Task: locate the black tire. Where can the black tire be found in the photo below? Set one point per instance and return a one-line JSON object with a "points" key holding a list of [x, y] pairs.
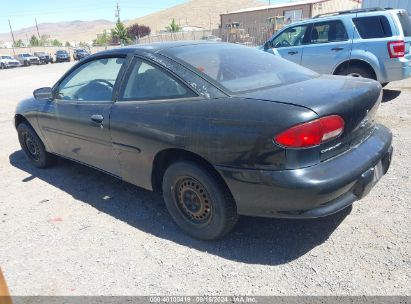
{"points": [[358, 71], [209, 211], [33, 147], [384, 84], [2, 66]]}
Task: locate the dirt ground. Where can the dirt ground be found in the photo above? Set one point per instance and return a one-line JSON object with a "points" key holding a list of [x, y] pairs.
{"points": [[71, 230]]}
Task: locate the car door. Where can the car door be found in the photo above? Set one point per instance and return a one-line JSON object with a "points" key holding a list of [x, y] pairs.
{"points": [[289, 43], [328, 44], [143, 119], [77, 122]]}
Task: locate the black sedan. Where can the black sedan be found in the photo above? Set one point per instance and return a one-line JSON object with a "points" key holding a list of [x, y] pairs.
{"points": [[220, 129]]}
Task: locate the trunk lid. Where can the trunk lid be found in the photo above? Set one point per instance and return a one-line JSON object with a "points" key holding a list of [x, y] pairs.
{"points": [[355, 100]]}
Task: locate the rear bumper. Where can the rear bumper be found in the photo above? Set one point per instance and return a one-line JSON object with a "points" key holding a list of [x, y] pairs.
{"points": [[315, 191], [397, 69]]}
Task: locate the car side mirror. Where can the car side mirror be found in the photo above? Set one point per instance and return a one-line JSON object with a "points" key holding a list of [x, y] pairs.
{"points": [[267, 45], [43, 94]]}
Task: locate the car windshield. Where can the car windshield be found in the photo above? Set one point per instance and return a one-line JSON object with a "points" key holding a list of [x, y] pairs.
{"points": [[6, 57], [80, 51], [26, 55], [225, 64], [61, 52]]}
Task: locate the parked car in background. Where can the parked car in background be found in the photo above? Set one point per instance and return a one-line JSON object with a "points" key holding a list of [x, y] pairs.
{"points": [[79, 54], [211, 38], [27, 59], [370, 43], [44, 57], [62, 56], [257, 137], [8, 62]]}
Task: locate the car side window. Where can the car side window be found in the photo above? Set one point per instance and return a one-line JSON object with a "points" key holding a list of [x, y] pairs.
{"points": [[373, 27], [290, 37], [328, 31], [148, 82], [92, 81]]}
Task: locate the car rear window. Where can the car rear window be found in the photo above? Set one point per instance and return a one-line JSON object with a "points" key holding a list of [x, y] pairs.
{"points": [[373, 27], [240, 68], [405, 21]]}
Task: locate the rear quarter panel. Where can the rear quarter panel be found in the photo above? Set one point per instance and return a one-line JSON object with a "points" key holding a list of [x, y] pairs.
{"points": [[233, 132]]}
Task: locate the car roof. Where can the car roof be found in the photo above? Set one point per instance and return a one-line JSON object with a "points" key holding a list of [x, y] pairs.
{"points": [[155, 47], [347, 14]]}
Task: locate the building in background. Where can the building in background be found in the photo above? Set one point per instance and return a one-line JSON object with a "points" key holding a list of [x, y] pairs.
{"points": [[404, 4], [255, 25]]}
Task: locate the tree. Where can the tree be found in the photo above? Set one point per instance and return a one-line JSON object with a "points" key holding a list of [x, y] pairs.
{"points": [[68, 44], [173, 27], [136, 31], [102, 39], [18, 44], [44, 40], [55, 42], [120, 32], [34, 41]]}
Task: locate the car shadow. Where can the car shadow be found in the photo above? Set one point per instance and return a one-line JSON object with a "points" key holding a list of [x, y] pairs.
{"points": [[389, 95], [253, 241]]}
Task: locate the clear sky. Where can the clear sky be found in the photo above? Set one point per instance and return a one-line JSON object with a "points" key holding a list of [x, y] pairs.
{"points": [[22, 12]]}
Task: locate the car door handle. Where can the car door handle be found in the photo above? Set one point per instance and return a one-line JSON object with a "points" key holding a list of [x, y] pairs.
{"points": [[293, 52], [97, 118], [337, 49]]}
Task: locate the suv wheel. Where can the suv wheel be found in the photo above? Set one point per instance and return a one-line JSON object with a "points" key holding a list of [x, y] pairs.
{"points": [[33, 147], [357, 71], [199, 204], [2, 66]]}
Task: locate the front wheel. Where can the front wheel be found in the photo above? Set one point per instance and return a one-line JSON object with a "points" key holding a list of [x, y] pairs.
{"points": [[2, 66], [198, 201], [33, 147]]}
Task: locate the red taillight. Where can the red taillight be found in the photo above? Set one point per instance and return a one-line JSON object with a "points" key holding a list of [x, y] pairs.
{"points": [[311, 133], [396, 49]]}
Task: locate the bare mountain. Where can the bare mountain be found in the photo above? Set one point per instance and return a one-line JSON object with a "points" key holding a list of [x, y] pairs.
{"points": [[63, 31], [202, 13]]}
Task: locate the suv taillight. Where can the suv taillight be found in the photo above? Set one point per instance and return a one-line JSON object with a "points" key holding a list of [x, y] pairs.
{"points": [[396, 49], [311, 133]]}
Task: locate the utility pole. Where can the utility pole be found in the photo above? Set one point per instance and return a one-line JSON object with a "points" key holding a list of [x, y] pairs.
{"points": [[12, 35], [37, 27], [118, 13]]}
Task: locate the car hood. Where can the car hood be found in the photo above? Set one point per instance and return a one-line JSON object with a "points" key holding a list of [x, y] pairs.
{"points": [[10, 60]]}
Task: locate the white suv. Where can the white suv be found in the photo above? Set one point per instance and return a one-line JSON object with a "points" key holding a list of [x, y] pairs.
{"points": [[372, 43]]}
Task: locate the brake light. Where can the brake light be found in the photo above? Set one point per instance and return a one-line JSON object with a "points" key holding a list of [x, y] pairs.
{"points": [[311, 133], [396, 49]]}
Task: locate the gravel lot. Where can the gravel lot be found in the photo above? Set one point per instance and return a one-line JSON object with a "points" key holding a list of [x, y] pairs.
{"points": [[71, 230]]}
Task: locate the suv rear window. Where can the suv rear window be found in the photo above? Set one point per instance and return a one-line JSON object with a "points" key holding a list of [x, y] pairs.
{"points": [[373, 27], [405, 20]]}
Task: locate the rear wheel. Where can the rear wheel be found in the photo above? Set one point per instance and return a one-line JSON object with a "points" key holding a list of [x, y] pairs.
{"points": [[33, 147], [198, 202], [358, 71]]}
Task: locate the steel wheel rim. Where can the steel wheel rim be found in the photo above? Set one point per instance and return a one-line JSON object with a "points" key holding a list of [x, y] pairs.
{"points": [[32, 146], [193, 201]]}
